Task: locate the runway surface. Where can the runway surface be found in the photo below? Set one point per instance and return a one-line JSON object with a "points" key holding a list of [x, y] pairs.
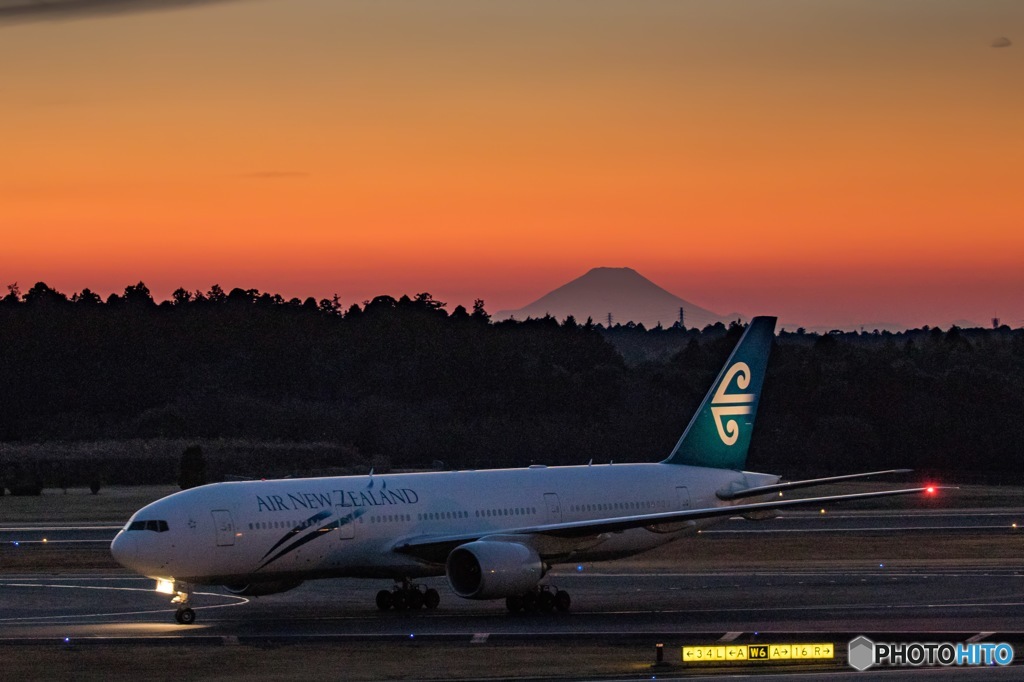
{"points": [[955, 600], [981, 599]]}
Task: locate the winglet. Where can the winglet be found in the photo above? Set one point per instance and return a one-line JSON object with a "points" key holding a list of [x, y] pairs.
{"points": [[719, 433]]}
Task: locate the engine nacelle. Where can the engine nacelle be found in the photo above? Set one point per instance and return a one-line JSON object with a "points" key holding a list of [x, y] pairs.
{"points": [[489, 569], [262, 588]]}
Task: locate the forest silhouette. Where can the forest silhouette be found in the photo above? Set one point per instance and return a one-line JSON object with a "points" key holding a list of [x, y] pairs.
{"points": [[408, 383]]}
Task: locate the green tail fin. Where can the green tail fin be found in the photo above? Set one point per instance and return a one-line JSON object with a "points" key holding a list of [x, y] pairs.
{"points": [[719, 434]]}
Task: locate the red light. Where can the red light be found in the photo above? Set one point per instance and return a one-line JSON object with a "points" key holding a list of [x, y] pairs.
{"points": [[930, 490]]}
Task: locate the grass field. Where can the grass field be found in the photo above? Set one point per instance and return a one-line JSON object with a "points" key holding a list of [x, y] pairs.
{"points": [[344, 661], [78, 505]]}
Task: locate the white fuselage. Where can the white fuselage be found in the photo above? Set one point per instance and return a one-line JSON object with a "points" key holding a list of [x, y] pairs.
{"points": [[350, 526]]}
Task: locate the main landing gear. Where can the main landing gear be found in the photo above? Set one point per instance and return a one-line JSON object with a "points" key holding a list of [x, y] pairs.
{"points": [[541, 598], [182, 593], [407, 596]]}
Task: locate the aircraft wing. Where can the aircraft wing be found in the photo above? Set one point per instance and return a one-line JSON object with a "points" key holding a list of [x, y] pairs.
{"points": [[738, 493], [435, 548]]}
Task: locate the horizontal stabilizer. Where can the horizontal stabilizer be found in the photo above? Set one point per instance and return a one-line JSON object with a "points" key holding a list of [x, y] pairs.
{"points": [[740, 493]]}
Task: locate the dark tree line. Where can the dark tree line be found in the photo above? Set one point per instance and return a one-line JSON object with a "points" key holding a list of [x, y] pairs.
{"points": [[409, 380]]}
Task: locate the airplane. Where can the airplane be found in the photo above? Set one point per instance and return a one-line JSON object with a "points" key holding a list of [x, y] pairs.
{"points": [[494, 534]]}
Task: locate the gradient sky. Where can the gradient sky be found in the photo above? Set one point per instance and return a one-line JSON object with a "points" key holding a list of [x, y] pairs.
{"points": [[832, 162]]}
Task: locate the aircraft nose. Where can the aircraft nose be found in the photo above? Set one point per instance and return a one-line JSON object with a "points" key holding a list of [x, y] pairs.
{"points": [[124, 549]]}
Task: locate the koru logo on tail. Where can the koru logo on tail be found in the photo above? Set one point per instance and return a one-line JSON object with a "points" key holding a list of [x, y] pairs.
{"points": [[725, 404]]}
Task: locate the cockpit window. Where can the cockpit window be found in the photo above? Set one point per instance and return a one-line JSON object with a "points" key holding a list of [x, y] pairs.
{"points": [[155, 526]]}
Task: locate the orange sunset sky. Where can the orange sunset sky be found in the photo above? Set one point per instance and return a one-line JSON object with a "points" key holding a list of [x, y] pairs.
{"points": [[834, 162]]}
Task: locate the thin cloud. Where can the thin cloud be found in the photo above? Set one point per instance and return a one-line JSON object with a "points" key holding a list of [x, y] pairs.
{"points": [[12, 11], [1001, 42]]}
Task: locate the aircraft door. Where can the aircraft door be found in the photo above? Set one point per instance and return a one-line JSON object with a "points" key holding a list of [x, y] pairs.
{"points": [[553, 507], [682, 497], [225, 527], [347, 522]]}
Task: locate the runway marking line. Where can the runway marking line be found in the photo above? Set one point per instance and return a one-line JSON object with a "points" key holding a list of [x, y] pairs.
{"points": [[56, 529], [239, 602], [729, 636]]}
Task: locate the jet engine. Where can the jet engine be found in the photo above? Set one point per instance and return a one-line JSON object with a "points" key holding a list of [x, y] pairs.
{"points": [[262, 588], [489, 569]]}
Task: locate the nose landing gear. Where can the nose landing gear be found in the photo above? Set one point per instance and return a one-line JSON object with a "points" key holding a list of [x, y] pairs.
{"points": [[182, 594], [408, 596]]}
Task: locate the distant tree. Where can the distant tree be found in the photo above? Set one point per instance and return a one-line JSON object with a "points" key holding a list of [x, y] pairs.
{"points": [[181, 296], [138, 296], [25, 482], [216, 294], [13, 295], [380, 304], [192, 471], [94, 485], [428, 302], [479, 314], [267, 300], [826, 343], [331, 306], [242, 297], [87, 298], [41, 294]]}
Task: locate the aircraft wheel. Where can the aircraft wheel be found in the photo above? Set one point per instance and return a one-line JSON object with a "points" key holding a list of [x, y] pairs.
{"points": [[384, 600], [185, 616], [530, 602], [413, 599], [431, 599], [562, 601], [546, 601], [398, 600], [514, 603]]}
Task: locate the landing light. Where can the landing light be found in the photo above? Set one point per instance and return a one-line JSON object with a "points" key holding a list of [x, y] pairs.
{"points": [[165, 586]]}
